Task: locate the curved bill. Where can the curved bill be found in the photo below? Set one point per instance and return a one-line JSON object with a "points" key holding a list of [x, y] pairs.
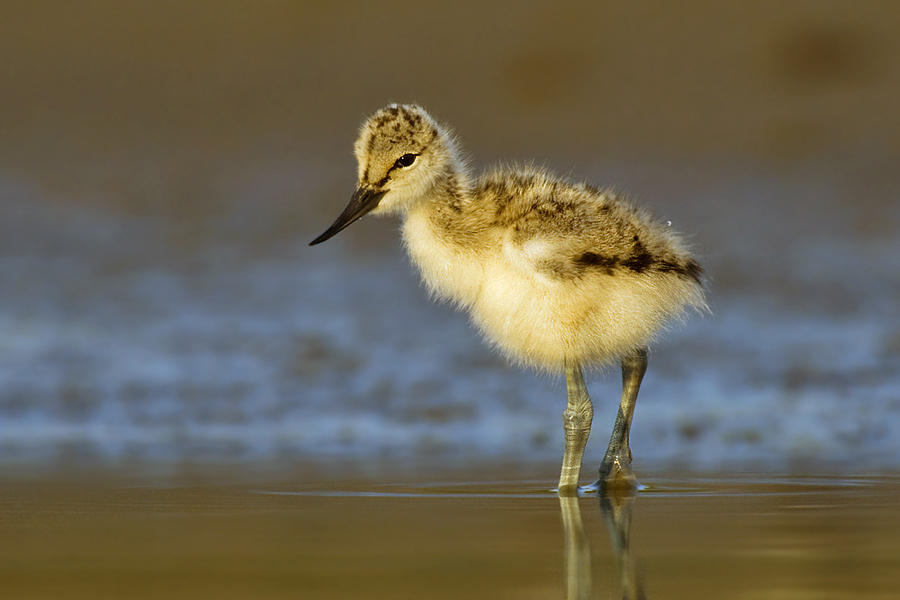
{"points": [[363, 200]]}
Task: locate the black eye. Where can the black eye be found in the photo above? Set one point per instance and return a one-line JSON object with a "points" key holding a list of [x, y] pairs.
{"points": [[405, 161]]}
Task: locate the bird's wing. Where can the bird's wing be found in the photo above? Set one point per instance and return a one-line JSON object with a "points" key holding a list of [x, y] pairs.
{"points": [[560, 238]]}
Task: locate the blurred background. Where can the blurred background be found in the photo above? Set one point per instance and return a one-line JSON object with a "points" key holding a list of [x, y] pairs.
{"points": [[164, 164]]}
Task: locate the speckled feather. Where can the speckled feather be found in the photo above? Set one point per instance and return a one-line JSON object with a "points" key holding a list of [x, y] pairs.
{"points": [[550, 270]]}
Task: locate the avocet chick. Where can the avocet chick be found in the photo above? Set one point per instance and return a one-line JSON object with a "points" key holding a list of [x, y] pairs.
{"points": [[556, 275]]}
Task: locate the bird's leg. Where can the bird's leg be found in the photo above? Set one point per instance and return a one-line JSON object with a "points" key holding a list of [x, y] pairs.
{"points": [[615, 470], [577, 426]]}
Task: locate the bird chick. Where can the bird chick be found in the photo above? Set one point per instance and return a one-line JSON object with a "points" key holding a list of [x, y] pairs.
{"points": [[557, 275]]}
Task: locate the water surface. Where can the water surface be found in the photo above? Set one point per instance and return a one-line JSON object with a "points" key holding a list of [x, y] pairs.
{"points": [[683, 537]]}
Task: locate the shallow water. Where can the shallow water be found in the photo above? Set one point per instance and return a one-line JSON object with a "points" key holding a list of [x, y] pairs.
{"points": [[118, 344], [682, 537]]}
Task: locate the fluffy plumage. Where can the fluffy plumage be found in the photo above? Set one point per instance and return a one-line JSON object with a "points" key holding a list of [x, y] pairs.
{"points": [[555, 274], [549, 270]]}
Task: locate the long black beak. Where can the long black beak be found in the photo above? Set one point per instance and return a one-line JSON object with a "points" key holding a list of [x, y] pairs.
{"points": [[363, 200]]}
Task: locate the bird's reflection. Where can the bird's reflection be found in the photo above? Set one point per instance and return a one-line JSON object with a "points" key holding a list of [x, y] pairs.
{"points": [[616, 507], [578, 551]]}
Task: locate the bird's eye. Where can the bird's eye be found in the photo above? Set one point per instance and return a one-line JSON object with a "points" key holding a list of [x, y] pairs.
{"points": [[405, 161]]}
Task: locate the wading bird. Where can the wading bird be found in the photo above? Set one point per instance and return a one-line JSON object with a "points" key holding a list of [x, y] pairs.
{"points": [[557, 275]]}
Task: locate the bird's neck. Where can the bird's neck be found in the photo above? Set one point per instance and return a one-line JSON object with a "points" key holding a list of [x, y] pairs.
{"points": [[449, 208], [440, 233], [452, 189]]}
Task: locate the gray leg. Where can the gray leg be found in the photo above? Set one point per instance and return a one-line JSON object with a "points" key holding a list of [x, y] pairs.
{"points": [[577, 424], [615, 470]]}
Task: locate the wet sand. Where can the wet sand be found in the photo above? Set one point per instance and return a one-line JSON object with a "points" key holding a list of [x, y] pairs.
{"points": [[682, 537]]}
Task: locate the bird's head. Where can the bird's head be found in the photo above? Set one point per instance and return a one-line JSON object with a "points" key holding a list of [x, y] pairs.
{"points": [[401, 152]]}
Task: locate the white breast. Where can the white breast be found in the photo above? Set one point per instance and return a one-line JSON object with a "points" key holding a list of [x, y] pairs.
{"points": [[450, 272], [516, 309]]}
